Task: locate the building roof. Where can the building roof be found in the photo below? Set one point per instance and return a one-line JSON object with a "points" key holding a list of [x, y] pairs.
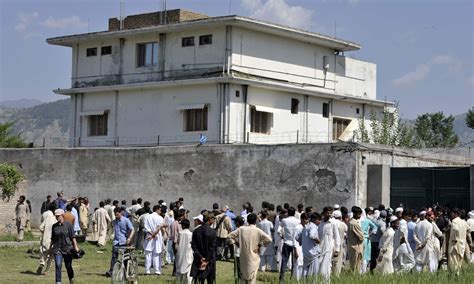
{"points": [[245, 22]]}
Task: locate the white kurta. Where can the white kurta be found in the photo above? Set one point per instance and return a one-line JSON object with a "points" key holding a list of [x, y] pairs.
{"points": [[403, 258], [152, 222], [330, 242], [386, 252], [425, 254], [311, 250], [298, 262], [100, 220], [184, 257]]}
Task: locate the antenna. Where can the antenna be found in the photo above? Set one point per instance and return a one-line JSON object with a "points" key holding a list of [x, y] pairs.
{"points": [[335, 28], [88, 29], [230, 6], [121, 14]]}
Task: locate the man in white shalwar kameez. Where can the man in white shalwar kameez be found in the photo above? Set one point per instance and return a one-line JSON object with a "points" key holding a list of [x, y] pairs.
{"points": [[298, 258], [310, 247], [470, 222], [403, 258], [100, 221], [425, 251], [385, 265], [458, 236], [153, 244], [249, 239], [46, 254], [342, 227], [184, 254], [330, 243]]}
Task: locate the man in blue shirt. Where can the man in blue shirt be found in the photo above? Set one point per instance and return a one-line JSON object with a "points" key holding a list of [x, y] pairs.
{"points": [[123, 234]]}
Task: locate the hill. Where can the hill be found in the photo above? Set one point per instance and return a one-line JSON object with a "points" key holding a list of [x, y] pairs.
{"points": [[48, 120], [20, 103]]}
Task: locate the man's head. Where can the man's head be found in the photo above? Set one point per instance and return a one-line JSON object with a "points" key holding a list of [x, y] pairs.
{"points": [[215, 206], [60, 193], [225, 208], [59, 214], [239, 221], [118, 212], [394, 222], [69, 207], [430, 216], [209, 218], [134, 202], [157, 209], [265, 205], [291, 211], [22, 199], [327, 212], [139, 201], [185, 224], [252, 219], [399, 212], [101, 204], [356, 212], [52, 207], [115, 203], [337, 214], [263, 215], [124, 202], [315, 218], [300, 208], [48, 198], [308, 209], [455, 213], [286, 206], [304, 218], [198, 220]]}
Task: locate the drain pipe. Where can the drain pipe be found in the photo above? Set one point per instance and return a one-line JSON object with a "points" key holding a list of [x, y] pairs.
{"points": [[244, 97]]}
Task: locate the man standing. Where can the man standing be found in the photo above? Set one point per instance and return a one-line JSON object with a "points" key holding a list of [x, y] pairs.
{"points": [[46, 226], [424, 238], [403, 259], [386, 247], [204, 252], [83, 216], [153, 245], [458, 235], [21, 211], [184, 254], [63, 241], [223, 228], [101, 220], [330, 242], [310, 247], [355, 239], [342, 228], [249, 239], [123, 234], [267, 253], [45, 205], [379, 220], [287, 227]]}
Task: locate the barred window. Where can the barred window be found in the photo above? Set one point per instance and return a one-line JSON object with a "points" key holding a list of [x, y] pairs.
{"points": [[98, 124], [338, 127], [195, 119], [260, 122]]}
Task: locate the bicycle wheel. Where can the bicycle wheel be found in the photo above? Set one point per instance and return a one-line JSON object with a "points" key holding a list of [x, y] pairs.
{"points": [[132, 270], [118, 273]]}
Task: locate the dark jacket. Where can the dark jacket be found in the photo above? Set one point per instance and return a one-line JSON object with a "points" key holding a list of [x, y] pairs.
{"points": [[204, 246]]}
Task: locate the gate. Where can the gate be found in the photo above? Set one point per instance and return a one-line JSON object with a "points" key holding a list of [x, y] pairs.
{"points": [[422, 187]]}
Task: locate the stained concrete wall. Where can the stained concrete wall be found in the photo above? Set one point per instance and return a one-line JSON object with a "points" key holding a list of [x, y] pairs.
{"points": [[310, 174]]}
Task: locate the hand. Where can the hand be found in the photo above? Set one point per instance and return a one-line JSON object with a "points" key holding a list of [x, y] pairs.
{"points": [[127, 242]]}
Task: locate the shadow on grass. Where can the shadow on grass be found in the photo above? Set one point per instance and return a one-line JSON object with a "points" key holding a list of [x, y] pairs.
{"points": [[29, 272]]}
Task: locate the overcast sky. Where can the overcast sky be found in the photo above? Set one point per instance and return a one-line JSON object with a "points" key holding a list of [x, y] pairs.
{"points": [[423, 48]]}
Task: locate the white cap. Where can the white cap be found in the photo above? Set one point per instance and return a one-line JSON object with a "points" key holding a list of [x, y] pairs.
{"points": [[336, 206], [393, 218], [58, 212], [422, 213], [399, 209], [337, 214], [199, 217], [163, 204], [471, 214]]}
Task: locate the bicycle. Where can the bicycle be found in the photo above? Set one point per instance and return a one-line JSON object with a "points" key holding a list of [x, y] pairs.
{"points": [[125, 269]]}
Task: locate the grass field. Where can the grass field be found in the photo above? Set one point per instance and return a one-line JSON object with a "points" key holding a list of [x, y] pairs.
{"points": [[17, 265]]}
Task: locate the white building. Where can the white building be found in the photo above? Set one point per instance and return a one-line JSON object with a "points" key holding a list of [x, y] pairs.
{"points": [[170, 77]]}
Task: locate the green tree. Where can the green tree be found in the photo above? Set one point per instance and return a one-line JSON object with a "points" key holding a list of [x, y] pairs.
{"points": [[470, 118], [435, 130], [8, 139]]}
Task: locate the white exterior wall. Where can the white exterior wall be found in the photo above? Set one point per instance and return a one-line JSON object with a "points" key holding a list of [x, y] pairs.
{"points": [[143, 115], [281, 58], [197, 56], [356, 78]]}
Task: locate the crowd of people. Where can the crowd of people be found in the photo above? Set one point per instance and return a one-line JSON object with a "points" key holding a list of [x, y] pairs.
{"points": [[300, 241]]}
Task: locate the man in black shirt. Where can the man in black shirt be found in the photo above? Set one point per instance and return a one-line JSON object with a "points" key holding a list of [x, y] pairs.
{"points": [[204, 249], [63, 242], [45, 205]]}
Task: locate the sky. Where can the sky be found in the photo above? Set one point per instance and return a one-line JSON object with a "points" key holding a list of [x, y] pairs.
{"points": [[423, 48]]}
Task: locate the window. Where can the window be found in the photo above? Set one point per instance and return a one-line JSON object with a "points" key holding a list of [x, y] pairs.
{"points": [[195, 119], [357, 110], [325, 110], [147, 54], [338, 127], [260, 122], [105, 50], [91, 51], [187, 41], [98, 124], [237, 94], [205, 39], [294, 106]]}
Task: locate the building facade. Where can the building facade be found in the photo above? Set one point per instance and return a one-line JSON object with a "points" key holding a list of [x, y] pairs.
{"points": [[170, 77]]}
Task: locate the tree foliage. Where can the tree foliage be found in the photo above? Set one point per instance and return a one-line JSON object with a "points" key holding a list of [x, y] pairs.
{"points": [[470, 118], [8, 139], [430, 130], [435, 130], [10, 176]]}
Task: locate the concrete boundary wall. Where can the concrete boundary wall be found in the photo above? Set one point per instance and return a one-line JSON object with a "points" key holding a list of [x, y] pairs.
{"points": [[312, 174]]}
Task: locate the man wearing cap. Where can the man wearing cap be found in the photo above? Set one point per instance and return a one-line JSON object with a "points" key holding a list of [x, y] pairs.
{"points": [[385, 265], [63, 241], [330, 245], [46, 227], [424, 238], [403, 259], [342, 228], [198, 220], [355, 238], [204, 250]]}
